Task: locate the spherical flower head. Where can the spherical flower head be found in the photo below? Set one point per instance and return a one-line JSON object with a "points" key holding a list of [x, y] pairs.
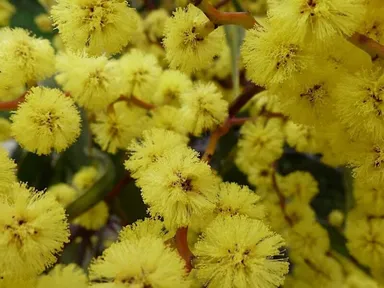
{"points": [[272, 56], [240, 252], [373, 23], [149, 227], [298, 211], [265, 101], [311, 101], [115, 128], [6, 12], [261, 142], [319, 19], [203, 108], [7, 172], [44, 22], [168, 118], [63, 193], [221, 67], [233, 199], [307, 238], [7, 281], [260, 176], [62, 276], [139, 263], [5, 129], [100, 26], [144, 152], [178, 187], [301, 137], [171, 85], [154, 24], [12, 82], [360, 107], [299, 185], [140, 73], [93, 82], [33, 230], [47, 120], [188, 42], [33, 57], [94, 218], [336, 218], [85, 178], [365, 238], [326, 270], [369, 198]]}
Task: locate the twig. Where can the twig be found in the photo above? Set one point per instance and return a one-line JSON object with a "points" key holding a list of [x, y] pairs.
{"points": [[181, 240], [141, 103], [281, 198], [249, 91], [13, 104], [221, 4], [243, 19], [118, 187], [373, 48]]}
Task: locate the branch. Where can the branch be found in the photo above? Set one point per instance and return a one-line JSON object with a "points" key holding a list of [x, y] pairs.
{"points": [[244, 19], [141, 103], [13, 104], [181, 240], [373, 48], [249, 91], [118, 187]]}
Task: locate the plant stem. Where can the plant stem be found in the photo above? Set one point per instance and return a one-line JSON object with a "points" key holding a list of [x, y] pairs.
{"points": [[181, 240], [373, 48], [281, 198], [249, 91], [118, 187], [141, 103], [243, 19], [13, 104]]}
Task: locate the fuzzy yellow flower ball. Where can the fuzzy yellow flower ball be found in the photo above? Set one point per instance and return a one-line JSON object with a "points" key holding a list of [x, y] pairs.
{"points": [[62, 276], [46, 121], [33, 229], [101, 26]]}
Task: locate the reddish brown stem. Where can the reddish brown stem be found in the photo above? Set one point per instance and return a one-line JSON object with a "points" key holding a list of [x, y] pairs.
{"points": [[248, 93], [373, 48], [281, 198], [181, 240], [118, 187], [221, 4], [13, 104], [141, 103], [217, 17]]}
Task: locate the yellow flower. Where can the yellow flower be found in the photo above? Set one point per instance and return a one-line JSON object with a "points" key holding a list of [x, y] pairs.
{"points": [[233, 199], [5, 129], [154, 24], [33, 229], [62, 276], [320, 269], [7, 281], [203, 108], [360, 106], [6, 12], [140, 73], [178, 187], [369, 198], [307, 238], [139, 263], [261, 142], [299, 185], [44, 23], [63, 193], [33, 57], [94, 218], [12, 82], [115, 129], [272, 56], [240, 252], [46, 121], [172, 84], [94, 82], [301, 137], [167, 117], [7, 172], [149, 227], [189, 43], [85, 178], [320, 19], [144, 152], [336, 218], [98, 25], [365, 240]]}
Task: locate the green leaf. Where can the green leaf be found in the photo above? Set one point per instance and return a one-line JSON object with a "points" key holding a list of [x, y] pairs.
{"points": [[99, 190], [235, 35]]}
